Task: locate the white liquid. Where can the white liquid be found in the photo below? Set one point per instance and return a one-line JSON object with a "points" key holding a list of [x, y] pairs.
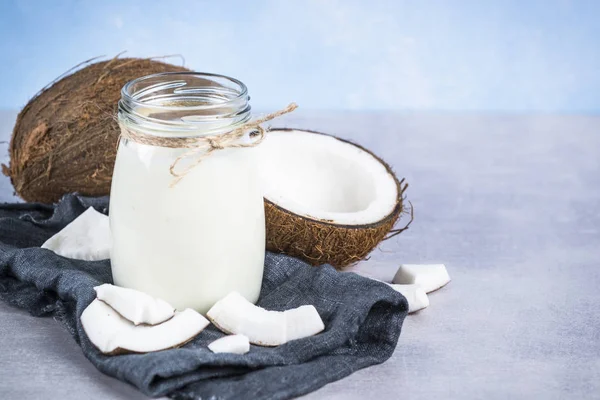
{"points": [[194, 243]]}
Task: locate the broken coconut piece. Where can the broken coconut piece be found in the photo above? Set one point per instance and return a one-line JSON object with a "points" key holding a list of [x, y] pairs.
{"points": [[429, 276], [111, 333], [138, 307], [414, 294], [302, 322], [235, 314], [237, 344], [87, 237]]}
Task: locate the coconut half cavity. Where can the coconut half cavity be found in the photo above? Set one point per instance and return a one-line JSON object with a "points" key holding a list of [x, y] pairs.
{"points": [[327, 201], [323, 178], [234, 314]]}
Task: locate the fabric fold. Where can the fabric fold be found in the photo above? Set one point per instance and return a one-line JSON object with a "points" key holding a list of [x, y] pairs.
{"points": [[363, 317]]}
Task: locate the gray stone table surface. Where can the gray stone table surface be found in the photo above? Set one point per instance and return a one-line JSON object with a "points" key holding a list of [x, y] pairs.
{"points": [[511, 204]]}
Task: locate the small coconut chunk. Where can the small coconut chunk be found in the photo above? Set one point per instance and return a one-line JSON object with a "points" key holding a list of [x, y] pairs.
{"points": [[302, 322], [111, 333], [138, 307], [235, 314], [429, 276], [237, 344], [414, 294], [87, 237]]}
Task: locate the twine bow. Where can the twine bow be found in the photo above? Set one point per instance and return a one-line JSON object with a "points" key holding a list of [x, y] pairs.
{"points": [[204, 146]]}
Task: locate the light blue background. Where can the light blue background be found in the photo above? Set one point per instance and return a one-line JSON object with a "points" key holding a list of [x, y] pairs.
{"points": [[497, 55]]}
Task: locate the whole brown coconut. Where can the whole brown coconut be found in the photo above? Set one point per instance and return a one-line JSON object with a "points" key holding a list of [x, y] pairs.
{"points": [[65, 138]]}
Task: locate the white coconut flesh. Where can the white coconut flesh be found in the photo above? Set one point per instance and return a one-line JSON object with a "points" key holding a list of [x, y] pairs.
{"points": [[136, 306], [325, 179], [429, 276], [234, 314], [415, 296], [87, 237], [110, 332], [236, 344]]}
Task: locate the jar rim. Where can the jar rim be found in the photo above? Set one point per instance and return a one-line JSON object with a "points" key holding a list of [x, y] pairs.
{"points": [[132, 96], [184, 103]]}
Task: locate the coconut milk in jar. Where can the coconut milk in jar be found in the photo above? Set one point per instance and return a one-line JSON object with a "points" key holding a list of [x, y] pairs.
{"points": [[189, 240]]}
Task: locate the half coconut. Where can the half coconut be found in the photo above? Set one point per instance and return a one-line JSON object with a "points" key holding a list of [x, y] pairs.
{"points": [[327, 200]]}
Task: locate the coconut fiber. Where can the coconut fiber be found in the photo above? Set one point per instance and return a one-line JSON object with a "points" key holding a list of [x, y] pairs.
{"points": [[363, 317], [65, 138]]}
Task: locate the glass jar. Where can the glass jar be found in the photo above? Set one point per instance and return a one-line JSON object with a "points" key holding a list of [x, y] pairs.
{"points": [[192, 241]]}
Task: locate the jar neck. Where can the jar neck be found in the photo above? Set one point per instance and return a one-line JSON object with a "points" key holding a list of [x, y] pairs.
{"points": [[184, 104]]}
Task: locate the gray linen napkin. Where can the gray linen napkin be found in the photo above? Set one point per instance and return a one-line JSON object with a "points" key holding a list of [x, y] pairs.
{"points": [[363, 318]]}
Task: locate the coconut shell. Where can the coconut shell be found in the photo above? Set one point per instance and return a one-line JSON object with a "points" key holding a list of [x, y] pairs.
{"points": [[323, 242], [65, 138]]}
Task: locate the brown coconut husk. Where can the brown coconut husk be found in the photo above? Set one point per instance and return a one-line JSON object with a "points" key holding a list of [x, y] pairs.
{"points": [[64, 139], [324, 242]]}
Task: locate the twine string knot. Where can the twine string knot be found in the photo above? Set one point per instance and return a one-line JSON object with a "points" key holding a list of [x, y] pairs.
{"points": [[202, 147]]}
